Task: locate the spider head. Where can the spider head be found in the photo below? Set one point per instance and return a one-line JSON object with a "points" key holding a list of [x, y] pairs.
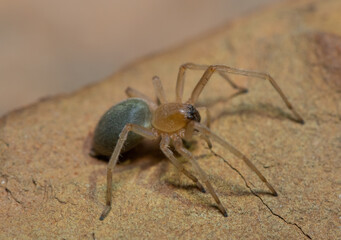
{"points": [[192, 113]]}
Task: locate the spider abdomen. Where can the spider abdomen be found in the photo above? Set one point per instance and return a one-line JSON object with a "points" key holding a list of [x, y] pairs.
{"points": [[106, 135]]}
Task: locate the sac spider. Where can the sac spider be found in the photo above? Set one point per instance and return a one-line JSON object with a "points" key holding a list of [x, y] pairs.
{"points": [[137, 117]]}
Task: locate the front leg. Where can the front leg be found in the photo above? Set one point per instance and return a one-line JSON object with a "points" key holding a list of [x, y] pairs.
{"points": [[222, 68], [205, 131], [164, 146], [190, 131], [203, 177], [192, 66]]}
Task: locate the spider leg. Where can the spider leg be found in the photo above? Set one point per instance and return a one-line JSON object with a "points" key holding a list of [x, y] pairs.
{"points": [[131, 92], [187, 154], [160, 93], [211, 69], [207, 121], [189, 132], [236, 152], [192, 66], [164, 146], [147, 133]]}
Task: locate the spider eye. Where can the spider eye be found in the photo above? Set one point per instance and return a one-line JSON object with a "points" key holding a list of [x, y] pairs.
{"points": [[193, 114]]}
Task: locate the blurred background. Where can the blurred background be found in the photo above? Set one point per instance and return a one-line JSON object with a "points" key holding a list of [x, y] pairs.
{"points": [[50, 47]]}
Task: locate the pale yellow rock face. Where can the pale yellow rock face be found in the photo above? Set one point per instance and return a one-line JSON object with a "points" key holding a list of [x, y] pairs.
{"points": [[51, 188]]}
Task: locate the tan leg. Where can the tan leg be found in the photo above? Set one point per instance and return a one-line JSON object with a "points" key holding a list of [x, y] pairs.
{"points": [[207, 122], [233, 150], [147, 133], [181, 79], [211, 69], [131, 92], [187, 154], [164, 145], [189, 134], [189, 131], [160, 93]]}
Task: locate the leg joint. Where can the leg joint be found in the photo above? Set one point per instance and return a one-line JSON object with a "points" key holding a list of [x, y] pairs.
{"points": [[185, 65], [212, 68]]}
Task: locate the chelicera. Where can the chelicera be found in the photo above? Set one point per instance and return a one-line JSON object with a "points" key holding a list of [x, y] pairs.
{"points": [[124, 125]]}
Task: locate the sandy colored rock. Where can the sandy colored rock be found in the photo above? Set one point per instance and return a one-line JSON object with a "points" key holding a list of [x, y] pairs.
{"points": [[51, 188]]}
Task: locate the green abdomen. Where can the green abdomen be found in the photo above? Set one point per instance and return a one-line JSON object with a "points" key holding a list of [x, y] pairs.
{"points": [[106, 135]]}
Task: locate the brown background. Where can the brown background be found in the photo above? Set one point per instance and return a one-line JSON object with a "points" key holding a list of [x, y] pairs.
{"points": [[50, 47]]}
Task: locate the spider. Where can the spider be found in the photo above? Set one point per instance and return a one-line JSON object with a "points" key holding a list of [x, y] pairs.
{"points": [[124, 125]]}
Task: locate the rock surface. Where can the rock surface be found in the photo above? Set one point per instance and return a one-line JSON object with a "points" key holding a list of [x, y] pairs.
{"points": [[51, 188]]}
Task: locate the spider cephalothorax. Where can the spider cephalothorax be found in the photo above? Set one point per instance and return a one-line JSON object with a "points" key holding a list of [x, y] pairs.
{"points": [[171, 117]]}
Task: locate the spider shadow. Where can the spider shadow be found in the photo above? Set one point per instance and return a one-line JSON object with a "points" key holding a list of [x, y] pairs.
{"points": [[211, 102], [236, 189], [260, 109], [206, 202], [143, 156], [229, 189], [241, 192], [148, 154]]}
